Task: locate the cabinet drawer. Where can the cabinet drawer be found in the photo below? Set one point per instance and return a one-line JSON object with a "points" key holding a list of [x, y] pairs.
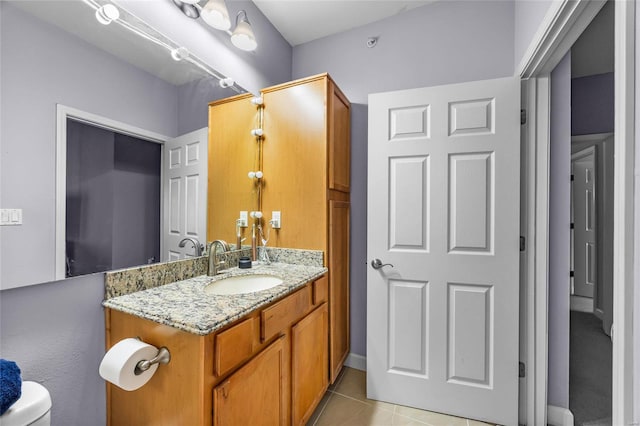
{"points": [[320, 290], [233, 346], [277, 317]]}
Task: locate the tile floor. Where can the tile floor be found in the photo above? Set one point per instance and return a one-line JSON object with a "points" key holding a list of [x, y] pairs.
{"points": [[345, 404]]}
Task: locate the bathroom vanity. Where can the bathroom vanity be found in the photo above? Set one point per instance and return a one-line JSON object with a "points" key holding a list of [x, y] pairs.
{"points": [[256, 358], [303, 149]]}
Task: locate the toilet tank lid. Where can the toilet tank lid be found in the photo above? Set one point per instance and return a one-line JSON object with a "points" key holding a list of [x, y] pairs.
{"points": [[33, 404]]}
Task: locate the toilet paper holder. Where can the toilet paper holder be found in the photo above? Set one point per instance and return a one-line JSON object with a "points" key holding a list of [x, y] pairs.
{"points": [[163, 357]]}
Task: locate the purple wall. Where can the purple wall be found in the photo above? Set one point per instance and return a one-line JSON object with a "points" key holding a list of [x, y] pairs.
{"points": [[592, 104], [55, 332], [440, 43], [528, 17], [559, 234]]}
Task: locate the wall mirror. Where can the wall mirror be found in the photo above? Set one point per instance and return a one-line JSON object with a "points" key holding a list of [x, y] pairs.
{"points": [[55, 53], [235, 169]]}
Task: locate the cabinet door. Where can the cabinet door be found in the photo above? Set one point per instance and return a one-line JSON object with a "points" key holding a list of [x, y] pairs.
{"points": [[338, 285], [256, 393], [339, 140], [309, 363]]}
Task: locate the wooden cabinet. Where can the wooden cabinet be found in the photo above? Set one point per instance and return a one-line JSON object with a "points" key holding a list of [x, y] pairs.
{"points": [[255, 394], [305, 157], [309, 365], [306, 164], [270, 367]]}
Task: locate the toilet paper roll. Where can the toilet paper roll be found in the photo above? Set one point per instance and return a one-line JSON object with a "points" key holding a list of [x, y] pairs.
{"points": [[119, 364]]}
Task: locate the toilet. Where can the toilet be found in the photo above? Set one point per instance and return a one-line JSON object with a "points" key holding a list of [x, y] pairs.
{"points": [[32, 409]]}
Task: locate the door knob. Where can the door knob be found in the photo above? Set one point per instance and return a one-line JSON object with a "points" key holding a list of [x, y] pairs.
{"points": [[377, 264]]}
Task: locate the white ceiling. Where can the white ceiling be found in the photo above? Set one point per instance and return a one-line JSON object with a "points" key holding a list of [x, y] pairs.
{"points": [[300, 21]]}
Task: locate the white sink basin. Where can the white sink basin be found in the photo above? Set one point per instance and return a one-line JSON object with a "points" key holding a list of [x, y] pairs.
{"points": [[242, 284]]}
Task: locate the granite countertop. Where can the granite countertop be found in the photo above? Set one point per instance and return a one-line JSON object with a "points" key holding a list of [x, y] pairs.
{"points": [[185, 305]]}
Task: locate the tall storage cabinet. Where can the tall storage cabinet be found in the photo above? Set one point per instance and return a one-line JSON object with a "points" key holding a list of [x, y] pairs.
{"points": [[306, 164], [304, 154]]}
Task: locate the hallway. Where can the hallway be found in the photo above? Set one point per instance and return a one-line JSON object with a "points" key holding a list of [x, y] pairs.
{"points": [[590, 371]]}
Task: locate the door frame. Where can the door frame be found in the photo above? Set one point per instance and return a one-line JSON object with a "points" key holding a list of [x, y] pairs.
{"points": [[561, 27], [62, 114]]}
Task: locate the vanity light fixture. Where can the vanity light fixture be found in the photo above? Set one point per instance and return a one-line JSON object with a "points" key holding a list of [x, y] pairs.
{"points": [[107, 13], [215, 14], [255, 175], [243, 37], [257, 132], [257, 100]]}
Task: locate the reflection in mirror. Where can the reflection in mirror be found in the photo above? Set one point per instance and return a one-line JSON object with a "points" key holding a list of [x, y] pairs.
{"points": [[55, 53]]}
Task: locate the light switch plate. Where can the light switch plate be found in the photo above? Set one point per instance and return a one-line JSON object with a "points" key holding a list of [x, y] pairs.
{"points": [[10, 217]]}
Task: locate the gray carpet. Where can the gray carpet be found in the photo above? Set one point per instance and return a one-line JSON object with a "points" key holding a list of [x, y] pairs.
{"points": [[589, 371]]}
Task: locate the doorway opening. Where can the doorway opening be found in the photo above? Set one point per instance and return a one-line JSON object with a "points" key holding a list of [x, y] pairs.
{"points": [[113, 200], [591, 236]]}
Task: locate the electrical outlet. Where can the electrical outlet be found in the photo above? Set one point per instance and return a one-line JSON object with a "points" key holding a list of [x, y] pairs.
{"points": [[276, 220], [244, 219]]}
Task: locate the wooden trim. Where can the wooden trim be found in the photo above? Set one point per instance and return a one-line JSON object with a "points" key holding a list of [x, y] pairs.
{"points": [[295, 82], [231, 99]]}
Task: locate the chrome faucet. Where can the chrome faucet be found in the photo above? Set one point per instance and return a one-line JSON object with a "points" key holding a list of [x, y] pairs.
{"points": [[196, 245], [213, 251]]}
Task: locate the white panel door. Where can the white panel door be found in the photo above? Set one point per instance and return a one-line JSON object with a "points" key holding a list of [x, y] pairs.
{"points": [[585, 261], [185, 193], [443, 209]]}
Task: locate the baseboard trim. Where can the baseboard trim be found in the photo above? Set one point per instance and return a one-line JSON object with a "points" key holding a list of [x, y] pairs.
{"points": [[558, 416], [356, 361]]}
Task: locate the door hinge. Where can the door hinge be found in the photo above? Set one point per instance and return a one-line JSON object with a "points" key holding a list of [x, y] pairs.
{"points": [[572, 225], [522, 370], [523, 116], [523, 242], [572, 177], [571, 274]]}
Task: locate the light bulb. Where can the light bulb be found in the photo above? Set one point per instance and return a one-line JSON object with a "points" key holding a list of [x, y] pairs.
{"points": [[107, 13], [259, 174], [180, 53], [257, 132], [226, 82], [215, 14], [257, 100], [252, 175], [243, 37]]}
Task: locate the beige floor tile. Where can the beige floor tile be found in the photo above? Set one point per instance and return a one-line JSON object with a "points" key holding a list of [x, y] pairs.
{"points": [[399, 420], [430, 418], [341, 410], [354, 385], [319, 409], [477, 423], [373, 416], [339, 378]]}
